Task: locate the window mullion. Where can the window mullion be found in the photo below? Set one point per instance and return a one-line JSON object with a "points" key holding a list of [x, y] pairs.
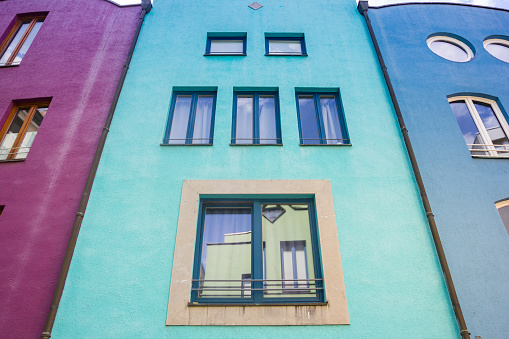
{"points": [[257, 252], [192, 115], [480, 126], [22, 131], [21, 41], [318, 112], [256, 120]]}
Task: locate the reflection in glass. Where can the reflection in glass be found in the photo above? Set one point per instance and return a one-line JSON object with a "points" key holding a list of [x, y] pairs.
{"points": [[467, 126], [226, 46], [267, 119], [180, 119], [226, 253], [331, 120], [30, 133], [14, 42], [203, 119], [288, 255], [499, 50], [308, 122], [285, 47], [244, 129], [449, 51], [28, 42], [491, 123]]}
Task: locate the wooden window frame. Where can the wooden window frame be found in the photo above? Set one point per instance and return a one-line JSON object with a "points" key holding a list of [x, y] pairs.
{"points": [[5, 44], [21, 134]]}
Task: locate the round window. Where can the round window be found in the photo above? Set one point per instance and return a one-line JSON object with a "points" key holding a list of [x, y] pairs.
{"points": [[499, 48], [450, 48]]}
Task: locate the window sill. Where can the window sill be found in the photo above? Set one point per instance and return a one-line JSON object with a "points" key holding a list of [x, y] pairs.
{"points": [[490, 157], [334, 145], [226, 54], [7, 66], [257, 305], [12, 160], [232, 144], [186, 144], [295, 55]]}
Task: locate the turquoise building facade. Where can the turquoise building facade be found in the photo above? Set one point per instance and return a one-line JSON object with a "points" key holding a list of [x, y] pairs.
{"points": [[130, 243]]}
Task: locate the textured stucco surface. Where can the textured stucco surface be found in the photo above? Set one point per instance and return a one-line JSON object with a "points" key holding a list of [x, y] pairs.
{"points": [[462, 190], [76, 59], [119, 281]]}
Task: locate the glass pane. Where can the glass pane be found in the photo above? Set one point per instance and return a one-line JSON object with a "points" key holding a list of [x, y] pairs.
{"points": [[492, 125], [267, 119], [180, 119], [449, 51], [288, 251], [504, 214], [12, 133], [308, 122], [244, 129], [14, 42], [285, 47], [331, 120], [499, 51], [226, 46], [28, 42], [226, 253], [468, 127], [203, 119], [31, 132]]}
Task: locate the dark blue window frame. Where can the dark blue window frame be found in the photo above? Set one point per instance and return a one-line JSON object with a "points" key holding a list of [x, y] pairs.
{"points": [[210, 39], [302, 44], [256, 125], [257, 254], [319, 118], [191, 121]]}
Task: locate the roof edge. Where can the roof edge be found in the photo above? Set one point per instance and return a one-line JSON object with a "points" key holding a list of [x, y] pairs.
{"points": [[435, 3], [119, 5]]}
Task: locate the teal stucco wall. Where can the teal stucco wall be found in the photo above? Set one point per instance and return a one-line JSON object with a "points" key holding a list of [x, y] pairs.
{"points": [[119, 279]]}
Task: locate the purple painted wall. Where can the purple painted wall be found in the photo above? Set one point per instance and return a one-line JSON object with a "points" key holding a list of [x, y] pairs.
{"points": [[76, 59]]}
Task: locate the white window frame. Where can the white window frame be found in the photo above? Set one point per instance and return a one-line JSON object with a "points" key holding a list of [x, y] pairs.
{"points": [[488, 143]]}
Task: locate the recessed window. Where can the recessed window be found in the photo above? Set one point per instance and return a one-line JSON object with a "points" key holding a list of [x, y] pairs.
{"points": [[191, 119], [482, 124], [499, 48], [1, 209], [503, 210], [21, 36], [282, 45], [20, 129], [226, 45], [256, 118], [450, 48], [321, 120]]}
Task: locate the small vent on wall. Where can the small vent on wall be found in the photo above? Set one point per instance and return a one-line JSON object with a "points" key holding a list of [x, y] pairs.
{"points": [[255, 6]]}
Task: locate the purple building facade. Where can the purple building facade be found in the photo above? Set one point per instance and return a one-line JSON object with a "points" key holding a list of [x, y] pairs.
{"points": [[60, 64]]}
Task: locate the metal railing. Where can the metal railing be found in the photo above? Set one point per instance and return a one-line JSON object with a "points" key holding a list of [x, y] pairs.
{"points": [[14, 152], [489, 149]]}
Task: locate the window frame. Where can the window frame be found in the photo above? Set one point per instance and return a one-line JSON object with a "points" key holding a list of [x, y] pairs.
{"points": [[283, 38], [499, 205], [454, 40], [191, 120], [257, 256], [489, 146], [319, 117], [23, 129], [211, 38], [12, 33], [256, 126]]}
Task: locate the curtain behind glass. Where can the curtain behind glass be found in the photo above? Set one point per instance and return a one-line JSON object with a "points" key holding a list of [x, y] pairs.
{"points": [[203, 118], [331, 120]]}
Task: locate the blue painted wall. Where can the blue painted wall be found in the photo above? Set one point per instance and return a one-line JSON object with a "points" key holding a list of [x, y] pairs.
{"points": [[119, 279], [462, 190]]}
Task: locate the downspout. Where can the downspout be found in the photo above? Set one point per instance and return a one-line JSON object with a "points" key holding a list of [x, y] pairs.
{"points": [[363, 10], [146, 6]]}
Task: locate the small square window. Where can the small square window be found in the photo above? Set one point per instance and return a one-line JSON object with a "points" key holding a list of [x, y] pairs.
{"points": [[280, 45], [234, 44], [256, 118], [20, 129], [191, 119], [19, 39], [321, 120]]}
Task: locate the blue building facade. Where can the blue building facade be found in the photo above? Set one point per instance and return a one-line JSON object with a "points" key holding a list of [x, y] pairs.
{"points": [[452, 109], [261, 114]]}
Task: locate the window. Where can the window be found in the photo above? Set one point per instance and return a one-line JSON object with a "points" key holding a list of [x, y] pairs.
{"points": [[1, 209], [18, 40], [321, 119], [498, 46], [503, 210], [221, 44], [483, 125], [263, 249], [450, 47], [285, 45], [20, 129], [256, 118], [257, 251], [191, 120]]}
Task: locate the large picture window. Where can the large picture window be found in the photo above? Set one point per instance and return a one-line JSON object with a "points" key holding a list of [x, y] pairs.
{"points": [[19, 39], [257, 251], [482, 124]]}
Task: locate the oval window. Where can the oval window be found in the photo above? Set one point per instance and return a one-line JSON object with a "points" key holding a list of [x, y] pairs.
{"points": [[499, 48], [450, 48]]}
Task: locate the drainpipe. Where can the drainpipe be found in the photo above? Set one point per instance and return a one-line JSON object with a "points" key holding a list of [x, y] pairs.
{"points": [[363, 10], [146, 6]]}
